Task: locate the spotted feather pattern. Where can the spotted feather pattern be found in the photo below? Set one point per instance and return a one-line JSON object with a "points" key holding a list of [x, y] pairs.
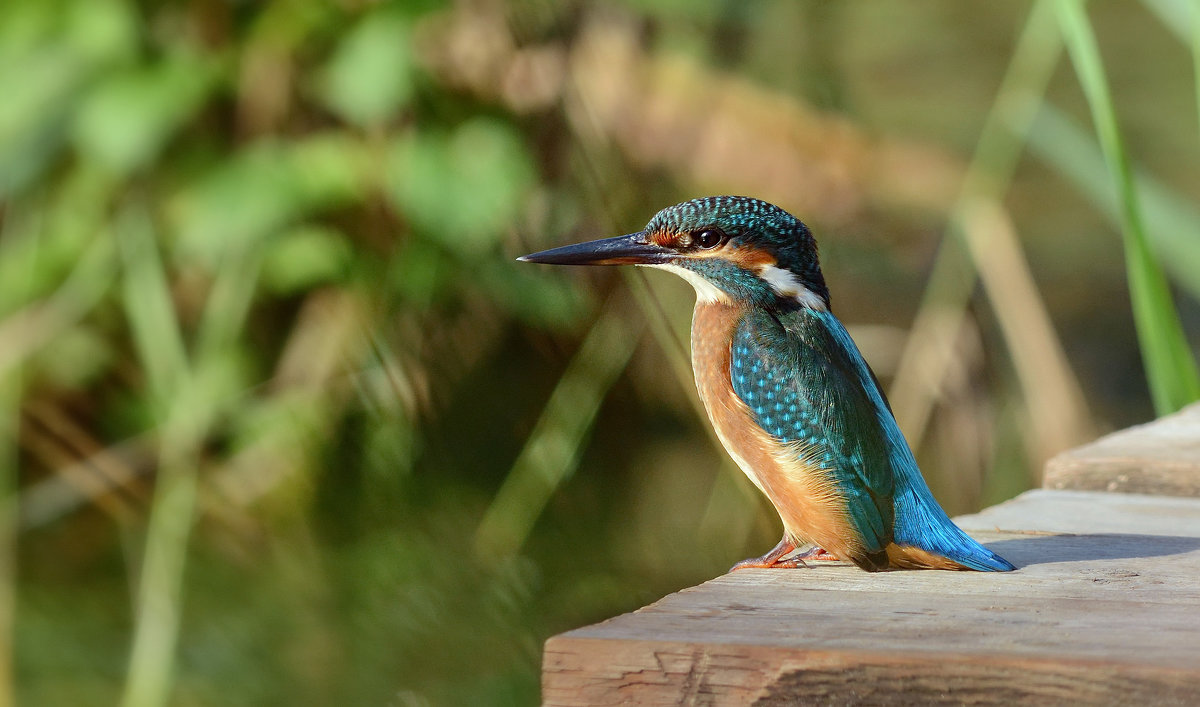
{"points": [[807, 385], [753, 222], [800, 410], [775, 403], [804, 393]]}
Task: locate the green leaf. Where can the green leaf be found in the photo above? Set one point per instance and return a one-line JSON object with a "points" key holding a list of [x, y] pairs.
{"points": [[329, 169], [75, 358], [101, 30], [48, 54], [370, 75], [266, 188], [552, 451], [532, 295], [462, 189], [39, 94], [1172, 221], [306, 257], [1170, 368], [126, 118], [50, 239]]}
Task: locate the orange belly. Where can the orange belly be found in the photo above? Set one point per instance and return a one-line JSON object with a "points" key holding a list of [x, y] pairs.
{"points": [[809, 504]]}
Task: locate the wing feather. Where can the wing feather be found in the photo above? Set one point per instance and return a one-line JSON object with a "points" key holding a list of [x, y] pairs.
{"points": [[806, 385]]}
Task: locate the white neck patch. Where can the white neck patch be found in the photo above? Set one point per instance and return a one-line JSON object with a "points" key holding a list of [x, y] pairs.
{"points": [[705, 291], [786, 285]]}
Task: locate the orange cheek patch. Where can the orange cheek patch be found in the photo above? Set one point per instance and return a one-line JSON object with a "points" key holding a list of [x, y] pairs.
{"points": [[746, 258], [665, 239], [749, 258]]}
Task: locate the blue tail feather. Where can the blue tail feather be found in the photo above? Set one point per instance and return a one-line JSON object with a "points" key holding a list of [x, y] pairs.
{"points": [[921, 522]]}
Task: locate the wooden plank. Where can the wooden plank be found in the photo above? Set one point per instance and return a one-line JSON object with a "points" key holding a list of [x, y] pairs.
{"points": [[664, 673], [1108, 614], [1090, 512], [1161, 457]]}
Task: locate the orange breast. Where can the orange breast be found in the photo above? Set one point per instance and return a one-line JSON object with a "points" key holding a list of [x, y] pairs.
{"points": [[810, 505]]}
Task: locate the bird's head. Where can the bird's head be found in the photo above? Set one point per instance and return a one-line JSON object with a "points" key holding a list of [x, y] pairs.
{"points": [[730, 248]]}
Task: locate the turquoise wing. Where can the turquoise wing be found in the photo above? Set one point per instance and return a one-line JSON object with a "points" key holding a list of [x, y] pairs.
{"points": [[803, 386], [805, 381]]}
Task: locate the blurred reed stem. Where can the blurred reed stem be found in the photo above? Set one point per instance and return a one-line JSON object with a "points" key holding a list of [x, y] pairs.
{"points": [[1170, 368], [228, 303], [668, 339], [552, 450], [1195, 42], [159, 345], [187, 399], [1052, 395], [160, 589], [1172, 220], [581, 117], [27, 330], [11, 395], [736, 513], [10, 411]]}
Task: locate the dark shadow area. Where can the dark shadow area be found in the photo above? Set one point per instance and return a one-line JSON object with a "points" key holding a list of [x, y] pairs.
{"points": [[1043, 549], [967, 682]]}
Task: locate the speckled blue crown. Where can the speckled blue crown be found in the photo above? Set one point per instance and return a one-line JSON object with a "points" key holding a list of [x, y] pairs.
{"points": [[751, 223]]}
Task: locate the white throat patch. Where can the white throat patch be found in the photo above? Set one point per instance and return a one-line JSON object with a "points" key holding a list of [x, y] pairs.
{"points": [[705, 291], [786, 285]]}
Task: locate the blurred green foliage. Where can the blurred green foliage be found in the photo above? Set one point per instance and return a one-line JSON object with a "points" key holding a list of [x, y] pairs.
{"points": [[281, 421]]}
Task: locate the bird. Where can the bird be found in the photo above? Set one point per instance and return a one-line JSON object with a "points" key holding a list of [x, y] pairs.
{"points": [[788, 392]]}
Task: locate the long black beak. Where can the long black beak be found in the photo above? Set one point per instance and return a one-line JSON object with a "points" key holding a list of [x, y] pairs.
{"points": [[633, 249]]}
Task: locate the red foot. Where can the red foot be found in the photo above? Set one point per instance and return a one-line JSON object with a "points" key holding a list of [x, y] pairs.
{"points": [[772, 560], [816, 553]]}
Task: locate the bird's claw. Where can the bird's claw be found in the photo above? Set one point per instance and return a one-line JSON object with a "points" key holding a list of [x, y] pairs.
{"points": [[775, 559], [761, 563], [817, 553]]}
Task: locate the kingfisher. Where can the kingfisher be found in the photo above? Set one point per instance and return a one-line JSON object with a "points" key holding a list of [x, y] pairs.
{"points": [[790, 396]]}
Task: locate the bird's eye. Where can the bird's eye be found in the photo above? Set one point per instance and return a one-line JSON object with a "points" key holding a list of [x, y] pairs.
{"points": [[709, 238]]}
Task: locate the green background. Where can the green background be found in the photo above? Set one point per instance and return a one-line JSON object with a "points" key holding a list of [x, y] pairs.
{"points": [[283, 422]]}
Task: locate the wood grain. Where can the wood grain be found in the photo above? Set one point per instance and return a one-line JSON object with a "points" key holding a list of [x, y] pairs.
{"points": [[1105, 609], [1161, 457]]}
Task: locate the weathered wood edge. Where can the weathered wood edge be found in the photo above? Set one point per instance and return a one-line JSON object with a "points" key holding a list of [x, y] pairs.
{"points": [[663, 672], [1086, 512], [667, 666], [1160, 457]]}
